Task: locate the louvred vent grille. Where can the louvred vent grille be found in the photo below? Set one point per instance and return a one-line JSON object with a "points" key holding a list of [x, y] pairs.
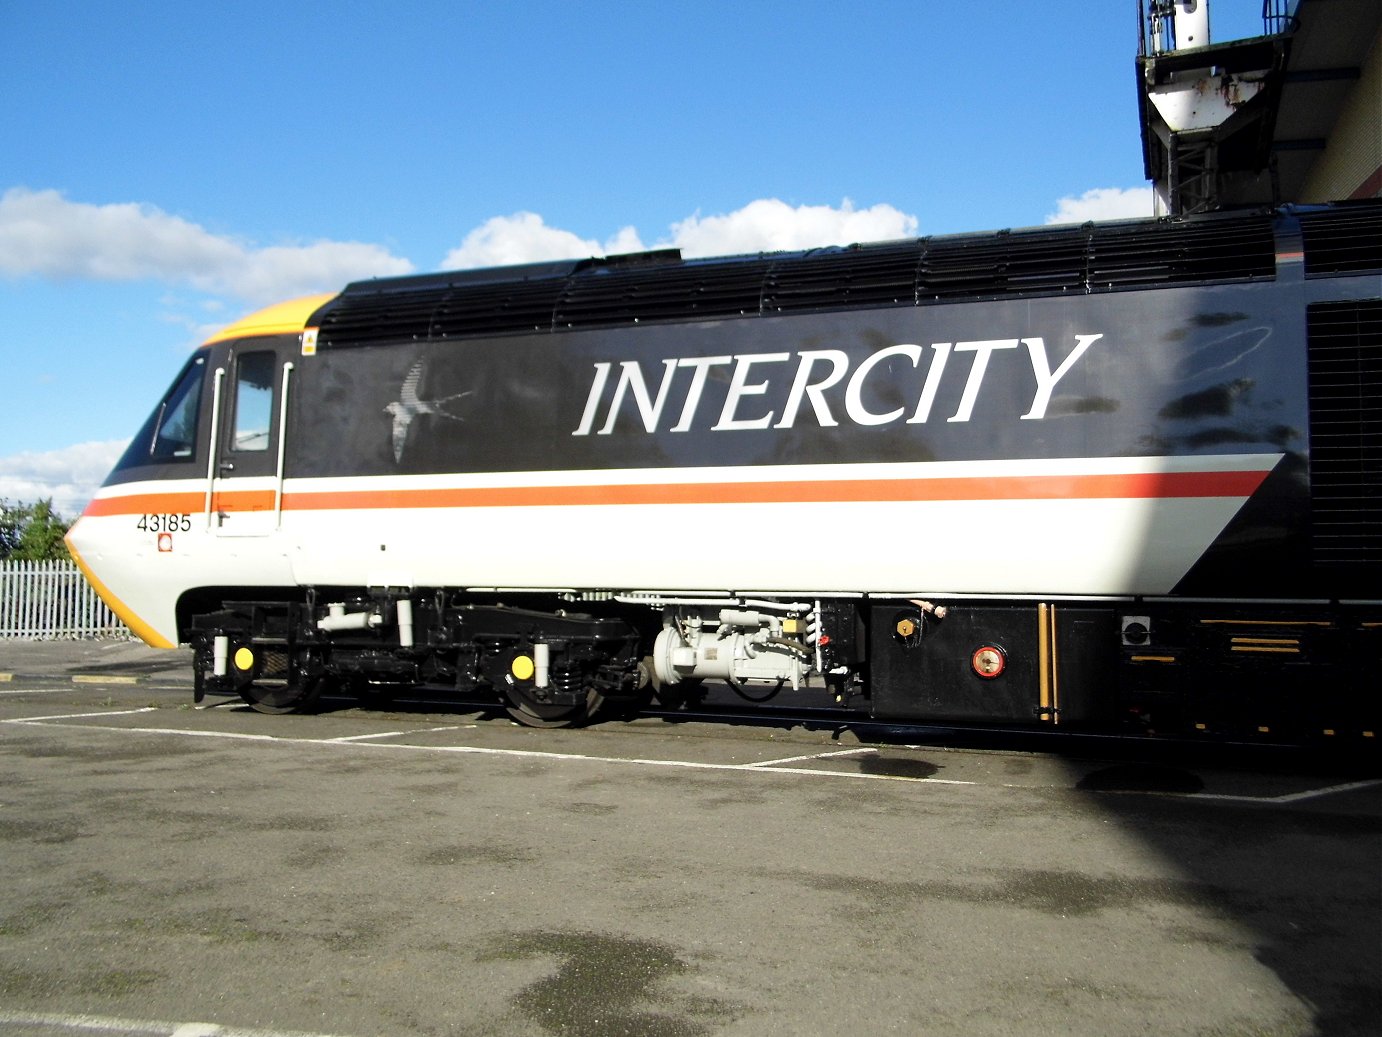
{"points": [[402, 315], [490, 309], [659, 287], [840, 279], [1216, 248], [1343, 240], [440, 312], [689, 291], [1022, 263], [1345, 363]]}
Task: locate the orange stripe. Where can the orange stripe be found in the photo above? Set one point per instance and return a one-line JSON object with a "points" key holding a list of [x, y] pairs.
{"points": [[147, 504], [852, 491], [181, 503], [243, 500], [1048, 487]]}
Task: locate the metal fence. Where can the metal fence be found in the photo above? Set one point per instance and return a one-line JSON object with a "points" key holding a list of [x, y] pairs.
{"points": [[46, 600]]}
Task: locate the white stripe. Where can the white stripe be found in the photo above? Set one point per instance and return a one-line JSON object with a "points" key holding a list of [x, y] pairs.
{"points": [[471, 750], [743, 474], [1296, 797], [139, 1027], [1292, 797], [391, 734], [1229, 797], [81, 716], [813, 756], [759, 767]]}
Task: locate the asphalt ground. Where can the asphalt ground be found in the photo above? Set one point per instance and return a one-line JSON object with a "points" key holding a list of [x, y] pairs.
{"points": [[92, 660], [431, 869]]}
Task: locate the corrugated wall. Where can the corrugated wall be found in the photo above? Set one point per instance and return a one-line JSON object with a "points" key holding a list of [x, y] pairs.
{"points": [[1351, 166]]}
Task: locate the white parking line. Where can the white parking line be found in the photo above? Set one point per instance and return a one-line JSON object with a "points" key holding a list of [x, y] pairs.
{"points": [[861, 751], [82, 716], [1295, 797], [391, 734], [776, 766], [473, 750], [1289, 797], [61, 1023]]}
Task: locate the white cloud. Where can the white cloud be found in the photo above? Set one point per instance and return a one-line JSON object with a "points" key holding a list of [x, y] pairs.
{"points": [[44, 234], [764, 225], [770, 225], [69, 475], [525, 238], [1103, 203]]}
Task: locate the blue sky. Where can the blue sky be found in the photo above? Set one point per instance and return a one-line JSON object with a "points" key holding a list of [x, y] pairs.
{"points": [[168, 167]]}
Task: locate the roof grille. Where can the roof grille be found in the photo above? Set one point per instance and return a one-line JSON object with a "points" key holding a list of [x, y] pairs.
{"points": [[489, 309], [1343, 240], [627, 290], [438, 311], [401, 315], [1345, 365], [1214, 248], [1009, 263], [689, 291], [841, 279]]}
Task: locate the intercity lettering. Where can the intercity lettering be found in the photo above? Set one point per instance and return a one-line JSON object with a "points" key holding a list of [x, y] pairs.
{"points": [[816, 374]]}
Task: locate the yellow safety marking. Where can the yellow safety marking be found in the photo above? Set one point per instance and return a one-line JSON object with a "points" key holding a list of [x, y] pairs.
{"points": [[5, 678], [95, 678], [1055, 672], [1048, 666], [138, 627], [1266, 640], [1153, 658], [279, 319], [1264, 648]]}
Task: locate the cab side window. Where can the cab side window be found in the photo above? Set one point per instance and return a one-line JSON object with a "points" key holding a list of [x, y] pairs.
{"points": [[175, 431], [254, 393]]}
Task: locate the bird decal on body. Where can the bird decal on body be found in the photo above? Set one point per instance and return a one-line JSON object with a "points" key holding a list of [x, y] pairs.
{"points": [[409, 406]]}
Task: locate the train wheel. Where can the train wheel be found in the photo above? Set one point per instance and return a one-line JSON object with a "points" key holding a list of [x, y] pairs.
{"points": [[298, 696], [530, 711]]}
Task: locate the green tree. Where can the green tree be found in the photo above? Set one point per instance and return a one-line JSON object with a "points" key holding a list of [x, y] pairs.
{"points": [[31, 532]]}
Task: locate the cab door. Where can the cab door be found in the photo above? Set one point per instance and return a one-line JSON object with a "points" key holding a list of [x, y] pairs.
{"points": [[250, 403]]}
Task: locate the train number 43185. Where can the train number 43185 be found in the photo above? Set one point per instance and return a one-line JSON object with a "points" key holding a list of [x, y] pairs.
{"points": [[165, 523]]}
